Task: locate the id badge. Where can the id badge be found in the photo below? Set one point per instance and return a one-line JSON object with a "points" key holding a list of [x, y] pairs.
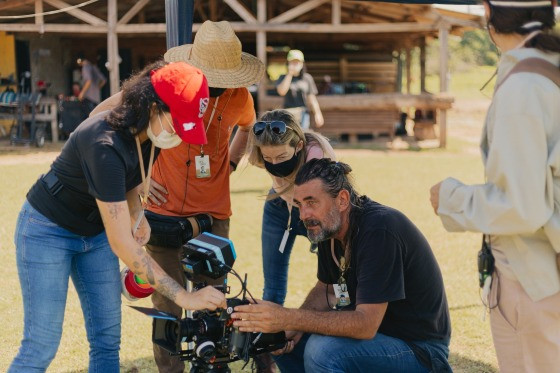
{"points": [[341, 294], [202, 163], [284, 240]]}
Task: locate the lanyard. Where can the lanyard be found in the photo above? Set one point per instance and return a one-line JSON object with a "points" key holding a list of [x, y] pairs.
{"points": [[287, 231], [342, 265], [210, 122], [145, 180]]}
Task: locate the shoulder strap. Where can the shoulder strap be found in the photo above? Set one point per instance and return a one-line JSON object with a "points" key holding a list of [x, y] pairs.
{"points": [[537, 66]]}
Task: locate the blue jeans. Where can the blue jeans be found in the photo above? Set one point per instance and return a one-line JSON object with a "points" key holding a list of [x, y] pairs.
{"points": [[305, 120], [275, 263], [321, 354], [47, 255]]}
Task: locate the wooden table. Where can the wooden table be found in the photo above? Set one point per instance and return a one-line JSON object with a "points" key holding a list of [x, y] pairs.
{"points": [[46, 112]]}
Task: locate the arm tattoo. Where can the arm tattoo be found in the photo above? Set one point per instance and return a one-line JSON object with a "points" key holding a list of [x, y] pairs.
{"points": [[169, 288], [149, 271], [114, 209]]}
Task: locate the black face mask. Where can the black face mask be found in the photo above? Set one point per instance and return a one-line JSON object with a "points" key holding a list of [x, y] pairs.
{"points": [[215, 92], [282, 169]]}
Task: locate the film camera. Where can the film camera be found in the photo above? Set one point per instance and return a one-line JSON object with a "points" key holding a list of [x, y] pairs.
{"points": [[212, 340]]}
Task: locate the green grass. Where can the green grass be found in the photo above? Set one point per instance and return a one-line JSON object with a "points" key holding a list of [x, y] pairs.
{"points": [[398, 179]]}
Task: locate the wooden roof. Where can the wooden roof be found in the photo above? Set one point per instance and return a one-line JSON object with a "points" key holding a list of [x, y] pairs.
{"points": [[279, 15]]}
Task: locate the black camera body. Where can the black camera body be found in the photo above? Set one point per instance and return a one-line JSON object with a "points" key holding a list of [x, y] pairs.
{"points": [[213, 340], [216, 341]]}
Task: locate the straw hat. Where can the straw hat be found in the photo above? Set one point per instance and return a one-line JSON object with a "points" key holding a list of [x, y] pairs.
{"points": [[217, 52]]}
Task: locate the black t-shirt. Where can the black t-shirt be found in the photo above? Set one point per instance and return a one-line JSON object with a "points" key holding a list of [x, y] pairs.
{"points": [[392, 262], [301, 86], [96, 162]]}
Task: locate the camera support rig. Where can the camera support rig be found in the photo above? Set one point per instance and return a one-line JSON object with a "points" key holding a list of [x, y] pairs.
{"points": [[216, 341]]}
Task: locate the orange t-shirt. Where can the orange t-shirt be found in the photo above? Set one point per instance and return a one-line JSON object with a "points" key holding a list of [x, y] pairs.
{"points": [[175, 168]]}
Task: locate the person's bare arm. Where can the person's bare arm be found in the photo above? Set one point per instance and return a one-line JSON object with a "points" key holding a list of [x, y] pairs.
{"points": [[116, 219], [108, 104], [283, 87], [86, 86], [239, 144], [269, 317], [318, 114], [316, 300]]}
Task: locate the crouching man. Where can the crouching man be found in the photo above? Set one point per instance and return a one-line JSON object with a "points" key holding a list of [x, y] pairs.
{"points": [[379, 304]]}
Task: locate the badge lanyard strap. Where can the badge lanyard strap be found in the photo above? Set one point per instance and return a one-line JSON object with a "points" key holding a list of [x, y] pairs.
{"points": [[145, 180], [210, 122], [288, 229], [214, 108], [342, 265]]}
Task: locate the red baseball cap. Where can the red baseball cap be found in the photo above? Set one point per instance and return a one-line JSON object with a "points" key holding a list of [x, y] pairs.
{"points": [[185, 90]]}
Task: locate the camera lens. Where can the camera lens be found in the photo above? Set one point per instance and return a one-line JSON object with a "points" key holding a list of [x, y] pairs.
{"points": [[206, 350], [204, 222]]}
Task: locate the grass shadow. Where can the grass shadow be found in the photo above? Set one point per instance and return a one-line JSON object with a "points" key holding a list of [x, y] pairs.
{"points": [[148, 365], [249, 191], [464, 364], [464, 307], [458, 362]]}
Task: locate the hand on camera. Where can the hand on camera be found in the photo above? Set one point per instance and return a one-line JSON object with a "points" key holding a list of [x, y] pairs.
{"points": [[207, 298], [157, 193], [264, 316], [292, 340]]}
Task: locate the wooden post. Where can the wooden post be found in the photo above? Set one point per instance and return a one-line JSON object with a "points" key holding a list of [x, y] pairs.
{"points": [[113, 47], [336, 6], [408, 72], [398, 87], [213, 10], [343, 70], [261, 54], [443, 84], [39, 16], [423, 65]]}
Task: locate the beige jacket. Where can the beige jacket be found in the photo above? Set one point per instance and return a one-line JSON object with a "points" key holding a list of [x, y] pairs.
{"points": [[519, 205]]}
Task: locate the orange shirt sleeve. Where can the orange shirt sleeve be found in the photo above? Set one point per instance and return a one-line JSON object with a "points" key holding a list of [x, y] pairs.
{"points": [[247, 115]]}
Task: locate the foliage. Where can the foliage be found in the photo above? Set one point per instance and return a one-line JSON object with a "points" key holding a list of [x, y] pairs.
{"points": [[477, 45], [473, 49]]}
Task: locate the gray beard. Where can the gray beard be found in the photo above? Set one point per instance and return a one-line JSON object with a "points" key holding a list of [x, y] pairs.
{"points": [[326, 232]]}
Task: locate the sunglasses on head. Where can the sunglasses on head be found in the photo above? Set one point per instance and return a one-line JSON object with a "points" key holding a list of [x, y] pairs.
{"points": [[276, 127]]}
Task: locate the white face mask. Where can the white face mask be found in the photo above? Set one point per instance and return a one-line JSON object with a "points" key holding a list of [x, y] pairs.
{"points": [[164, 140]]}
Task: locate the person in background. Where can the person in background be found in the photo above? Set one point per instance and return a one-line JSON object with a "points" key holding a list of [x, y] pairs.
{"points": [[517, 207], [299, 91], [92, 82], [85, 214]]}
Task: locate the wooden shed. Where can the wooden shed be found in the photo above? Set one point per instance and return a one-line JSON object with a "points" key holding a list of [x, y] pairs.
{"points": [[365, 47]]}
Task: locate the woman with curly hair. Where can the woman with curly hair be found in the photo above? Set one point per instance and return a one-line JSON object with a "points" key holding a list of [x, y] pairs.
{"points": [[85, 213]]}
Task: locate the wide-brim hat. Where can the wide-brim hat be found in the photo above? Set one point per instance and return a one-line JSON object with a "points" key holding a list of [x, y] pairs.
{"points": [[216, 51]]}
